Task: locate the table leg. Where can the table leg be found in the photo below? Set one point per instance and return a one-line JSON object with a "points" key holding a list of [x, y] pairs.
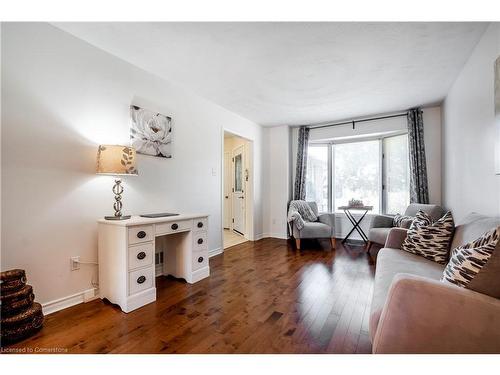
{"points": [[353, 222], [355, 225], [360, 230]]}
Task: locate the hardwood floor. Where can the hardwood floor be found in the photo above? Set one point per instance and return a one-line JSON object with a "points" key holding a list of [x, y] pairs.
{"points": [[261, 297]]}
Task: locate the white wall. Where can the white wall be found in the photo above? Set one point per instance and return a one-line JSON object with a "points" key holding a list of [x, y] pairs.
{"points": [[1, 42], [432, 141], [277, 180], [470, 183], [61, 98]]}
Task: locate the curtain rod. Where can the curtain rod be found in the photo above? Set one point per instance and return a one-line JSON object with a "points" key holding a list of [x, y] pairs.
{"points": [[353, 122]]}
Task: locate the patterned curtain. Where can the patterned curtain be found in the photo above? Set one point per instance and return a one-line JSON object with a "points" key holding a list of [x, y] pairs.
{"points": [[419, 191], [299, 191]]}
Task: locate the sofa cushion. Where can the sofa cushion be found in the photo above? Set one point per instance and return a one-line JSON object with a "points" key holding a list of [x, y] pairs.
{"points": [[430, 239], [468, 263], [390, 262], [378, 235], [434, 211]]}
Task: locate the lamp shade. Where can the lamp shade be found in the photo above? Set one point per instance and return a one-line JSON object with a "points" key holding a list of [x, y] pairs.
{"points": [[116, 160]]}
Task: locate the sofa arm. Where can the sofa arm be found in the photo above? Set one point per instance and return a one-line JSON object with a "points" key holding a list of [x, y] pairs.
{"points": [[381, 221], [395, 238], [428, 316]]}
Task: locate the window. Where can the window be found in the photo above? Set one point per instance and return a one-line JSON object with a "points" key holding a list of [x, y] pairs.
{"points": [[375, 171], [238, 175], [317, 176], [397, 174], [357, 173]]}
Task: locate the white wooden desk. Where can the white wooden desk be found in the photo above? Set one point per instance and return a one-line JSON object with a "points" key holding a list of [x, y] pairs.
{"points": [[127, 253]]}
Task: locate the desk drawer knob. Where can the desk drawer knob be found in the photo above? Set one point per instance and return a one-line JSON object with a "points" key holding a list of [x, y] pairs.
{"points": [[141, 279], [141, 234], [141, 255], [200, 241], [200, 224], [174, 226], [200, 259]]}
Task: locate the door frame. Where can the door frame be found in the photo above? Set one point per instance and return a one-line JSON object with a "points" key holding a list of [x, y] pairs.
{"points": [[249, 187]]}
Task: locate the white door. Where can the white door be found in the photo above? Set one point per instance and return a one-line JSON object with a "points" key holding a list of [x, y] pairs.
{"points": [[238, 193], [227, 189]]}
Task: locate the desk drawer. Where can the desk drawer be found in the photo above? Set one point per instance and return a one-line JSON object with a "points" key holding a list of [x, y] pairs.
{"points": [[200, 259], [200, 241], [140, 280], [140, 233], [174, 226], [200, 224], [140, 255]]}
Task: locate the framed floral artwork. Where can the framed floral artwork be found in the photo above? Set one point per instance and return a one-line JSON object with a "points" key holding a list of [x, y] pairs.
{"points": [[150, 132]]}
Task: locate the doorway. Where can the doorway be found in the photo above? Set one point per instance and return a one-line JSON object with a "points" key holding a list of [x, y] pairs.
{"points": [[236, 190]]}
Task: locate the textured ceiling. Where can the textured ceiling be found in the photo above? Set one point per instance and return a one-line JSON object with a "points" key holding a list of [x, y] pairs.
{"points": [[296, 73]]}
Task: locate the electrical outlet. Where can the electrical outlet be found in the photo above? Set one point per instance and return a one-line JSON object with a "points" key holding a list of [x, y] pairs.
{"points": [[75, 263]]}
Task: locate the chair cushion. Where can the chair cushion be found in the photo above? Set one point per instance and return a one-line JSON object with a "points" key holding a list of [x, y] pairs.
{"points": [[316, 230], [390, 262], [378, 235], [314, 207]]}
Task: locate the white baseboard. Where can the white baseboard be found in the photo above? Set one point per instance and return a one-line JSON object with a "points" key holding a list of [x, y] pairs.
{"points": [[258, 237], [68, 301], [274, 235], [215, 252]]}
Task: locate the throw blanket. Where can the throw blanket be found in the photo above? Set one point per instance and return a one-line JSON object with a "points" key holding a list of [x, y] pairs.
{"points": [[300, 212]]}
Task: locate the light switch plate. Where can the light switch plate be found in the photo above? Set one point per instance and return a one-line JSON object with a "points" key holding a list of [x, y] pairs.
{"points": [[75, 263]]}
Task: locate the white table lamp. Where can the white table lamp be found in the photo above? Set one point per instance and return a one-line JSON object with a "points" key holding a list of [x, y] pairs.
{"points": [[117, 161]]}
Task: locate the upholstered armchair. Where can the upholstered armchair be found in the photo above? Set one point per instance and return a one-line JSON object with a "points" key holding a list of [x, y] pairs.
{"points": [[382, 224], [324, 227]]}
